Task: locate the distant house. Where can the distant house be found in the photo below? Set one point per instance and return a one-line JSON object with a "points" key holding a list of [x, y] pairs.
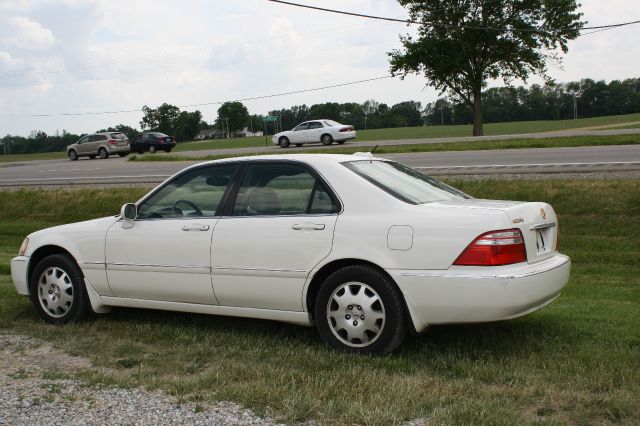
{"points": [[246, 133], [210, 134]]}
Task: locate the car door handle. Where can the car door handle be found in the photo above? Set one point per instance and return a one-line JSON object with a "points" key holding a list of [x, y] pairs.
{"points": [[195, 227], [308, 227]]}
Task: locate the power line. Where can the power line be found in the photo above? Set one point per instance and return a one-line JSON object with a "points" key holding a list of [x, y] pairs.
{"points": [[315, 89], [435, 24]]}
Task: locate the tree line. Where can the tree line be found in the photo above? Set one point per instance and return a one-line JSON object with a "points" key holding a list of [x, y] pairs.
{"points": [[550, 101]]}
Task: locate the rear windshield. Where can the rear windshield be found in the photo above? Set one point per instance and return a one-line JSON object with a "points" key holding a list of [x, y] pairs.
{"points": [[118, 136], [331, 123], [403, 182]]}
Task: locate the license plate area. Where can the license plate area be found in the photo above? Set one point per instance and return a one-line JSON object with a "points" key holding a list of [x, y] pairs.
{"points": [[545, 237]]}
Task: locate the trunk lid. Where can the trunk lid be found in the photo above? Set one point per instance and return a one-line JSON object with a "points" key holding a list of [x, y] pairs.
{"points": [[536, 220]]}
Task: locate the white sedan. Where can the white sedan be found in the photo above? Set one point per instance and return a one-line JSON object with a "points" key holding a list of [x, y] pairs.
{"points": [[315, 131], [363, 248]]}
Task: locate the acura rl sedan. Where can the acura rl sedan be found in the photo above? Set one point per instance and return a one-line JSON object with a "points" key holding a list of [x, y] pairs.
{"points": [[364, 249], [322, 131]]}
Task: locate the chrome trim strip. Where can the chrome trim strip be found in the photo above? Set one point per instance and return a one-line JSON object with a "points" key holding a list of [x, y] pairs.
{"points": [[543, 225], [479, 277], [217, 268], [142, 265]]}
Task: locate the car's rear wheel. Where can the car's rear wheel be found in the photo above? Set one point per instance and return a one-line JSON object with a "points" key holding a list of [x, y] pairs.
{"points": [[152, 149], [359, 309], [57, 290], [73, 155], [326, 139], [102, 153], [167, 150], [122, 154], [283, 142]]}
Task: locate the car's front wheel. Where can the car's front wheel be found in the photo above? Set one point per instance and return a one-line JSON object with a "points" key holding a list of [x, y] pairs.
{"points": [[359, 309], [283, 142], [102, 153], [73, 156], [57, 290]]}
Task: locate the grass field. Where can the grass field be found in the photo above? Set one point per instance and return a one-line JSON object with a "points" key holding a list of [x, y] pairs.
{"points": [[518, 127], [576, 361], [574, 141], [614, 121]]}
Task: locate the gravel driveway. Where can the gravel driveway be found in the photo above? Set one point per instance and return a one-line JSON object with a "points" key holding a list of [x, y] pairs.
{"points": [[29, 397]]}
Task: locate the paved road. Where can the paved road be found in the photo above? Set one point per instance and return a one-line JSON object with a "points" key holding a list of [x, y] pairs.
{"points": [[538, 160]]}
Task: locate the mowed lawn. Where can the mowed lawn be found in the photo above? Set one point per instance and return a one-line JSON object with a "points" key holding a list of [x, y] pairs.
{"points": [[422, 132], [520, 127], [577, 361]]}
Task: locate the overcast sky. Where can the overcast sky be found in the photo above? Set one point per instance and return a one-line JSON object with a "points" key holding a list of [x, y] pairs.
{"points": [[70, 56]]}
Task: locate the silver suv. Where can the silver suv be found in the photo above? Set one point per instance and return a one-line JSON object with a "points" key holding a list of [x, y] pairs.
{"points": [[99, 144]]}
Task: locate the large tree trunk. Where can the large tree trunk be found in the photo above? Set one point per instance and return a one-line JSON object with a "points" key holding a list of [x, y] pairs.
{"points": [[477, 113]]}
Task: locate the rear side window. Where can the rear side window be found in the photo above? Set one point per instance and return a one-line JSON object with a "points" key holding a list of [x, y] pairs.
{"points": [[403, 182], [96, 138], [315, 125], [282, 190]]}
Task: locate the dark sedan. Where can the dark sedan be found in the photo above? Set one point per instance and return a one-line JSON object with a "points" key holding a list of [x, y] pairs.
{"points": [[152, 142]]}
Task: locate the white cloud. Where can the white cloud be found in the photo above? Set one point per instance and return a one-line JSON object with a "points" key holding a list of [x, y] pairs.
{"points": [[106, 55], [28, 34]]}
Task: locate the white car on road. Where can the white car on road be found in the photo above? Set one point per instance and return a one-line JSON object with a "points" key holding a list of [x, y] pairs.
{"points": [[363, 248], [315, 131]]}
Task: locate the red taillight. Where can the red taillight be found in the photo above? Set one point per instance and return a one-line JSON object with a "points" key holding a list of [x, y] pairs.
{"points": [[112, 142], [494, 248], [346, 129]]}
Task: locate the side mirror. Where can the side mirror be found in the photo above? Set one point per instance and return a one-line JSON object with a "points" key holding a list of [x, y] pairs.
{"points": [[128, 213]]}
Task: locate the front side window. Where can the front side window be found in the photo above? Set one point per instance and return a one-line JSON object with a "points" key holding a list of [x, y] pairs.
{"points": [[96, 138], [403, 182], [282, 190], [197, 193], [83, 139], [302, 126]]}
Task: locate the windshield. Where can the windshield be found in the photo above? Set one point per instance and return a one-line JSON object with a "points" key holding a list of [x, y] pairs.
{"points": [[403, 182]]}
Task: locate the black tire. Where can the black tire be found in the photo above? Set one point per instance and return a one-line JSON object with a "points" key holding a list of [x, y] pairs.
{"points": [[326, 139], [283, 142], [102, 153], [374, 289], [73, 155], [122, 154], [93, 157], [50, 274], [152, 149], [167, 150], [340, 142], [298, 144]]}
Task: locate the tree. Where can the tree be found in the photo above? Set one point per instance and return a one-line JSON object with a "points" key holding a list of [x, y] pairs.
{"points": [[234, 114], [187, 125], [161, 119], [462, 43]]}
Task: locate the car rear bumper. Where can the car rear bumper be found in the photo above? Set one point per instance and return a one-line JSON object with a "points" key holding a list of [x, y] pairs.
{"points": [[19, 266], [345, 136], [464, 294], [118, 149]]}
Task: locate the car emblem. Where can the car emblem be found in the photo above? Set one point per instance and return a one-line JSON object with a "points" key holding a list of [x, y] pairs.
{"points": [[544, 215]]}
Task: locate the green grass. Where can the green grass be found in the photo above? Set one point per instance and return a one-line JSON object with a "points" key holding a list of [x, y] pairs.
{"points": [[573, 141], [517, 127], [577, 361]]}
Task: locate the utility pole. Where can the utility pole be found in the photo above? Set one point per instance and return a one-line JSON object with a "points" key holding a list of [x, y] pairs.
{"points": [[365, 122], [576, 94], [441, 115]]}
